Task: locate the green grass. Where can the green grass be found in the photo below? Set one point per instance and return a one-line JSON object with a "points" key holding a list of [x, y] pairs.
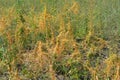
{"points": [[74, 39]]}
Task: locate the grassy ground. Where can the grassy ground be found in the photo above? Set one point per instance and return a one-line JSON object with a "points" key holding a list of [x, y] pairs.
{"points": [[59, 40]]}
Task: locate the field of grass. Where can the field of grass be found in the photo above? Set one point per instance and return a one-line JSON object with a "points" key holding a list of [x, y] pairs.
{"points": [[59, 39]]}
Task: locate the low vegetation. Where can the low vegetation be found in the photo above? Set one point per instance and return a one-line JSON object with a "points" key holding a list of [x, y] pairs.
{"points": [[59, 40]]}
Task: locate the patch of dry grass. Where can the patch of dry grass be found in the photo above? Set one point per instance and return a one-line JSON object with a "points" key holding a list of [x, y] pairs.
{"points": [[68, 43]]}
